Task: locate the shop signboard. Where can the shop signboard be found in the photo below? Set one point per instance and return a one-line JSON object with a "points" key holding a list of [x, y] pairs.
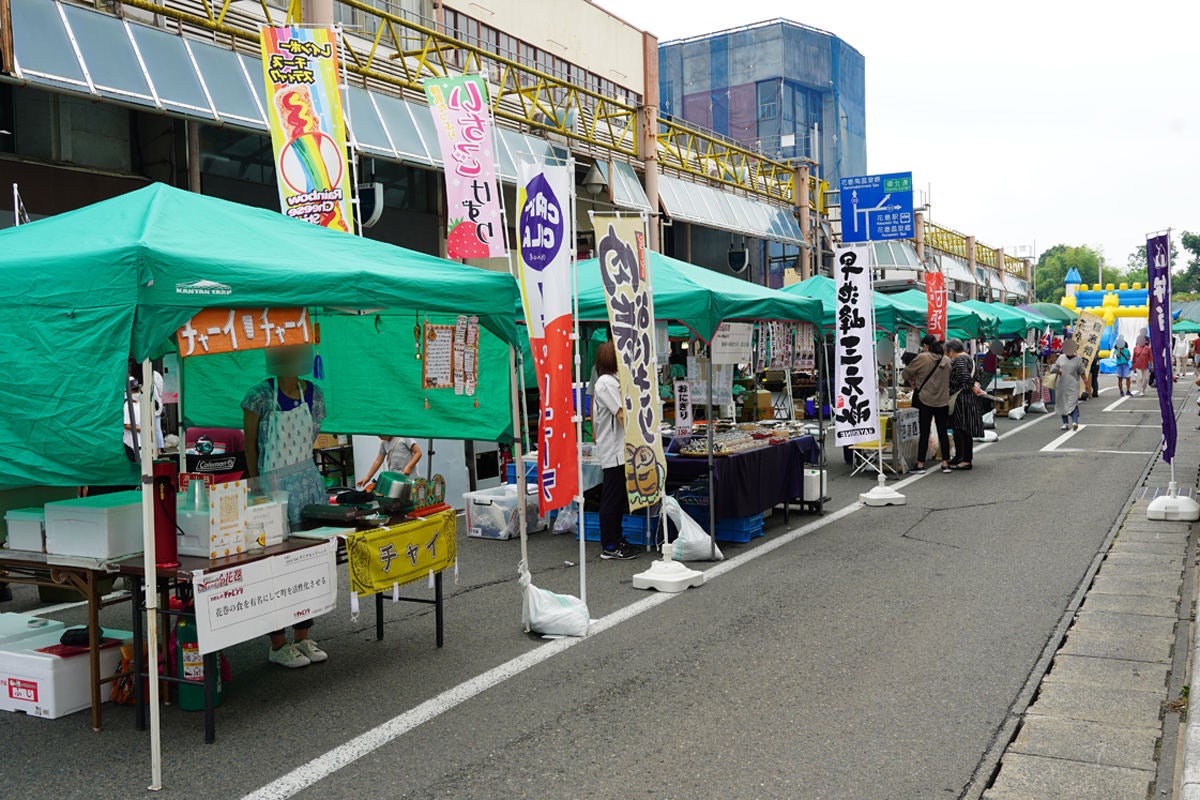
{"points": [[544, 236], [385, 559], [935, 293], [463, 117], [877, 207], [308, 129], [239, 603], [733, 343], [233, 330], [1159, 278], [856, 402], [625, 273], [683, 408]]}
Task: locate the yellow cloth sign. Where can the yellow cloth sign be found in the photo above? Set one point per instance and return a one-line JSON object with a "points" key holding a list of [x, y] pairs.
{"points": [[625, 273], [400, 554], [1087, 333]]}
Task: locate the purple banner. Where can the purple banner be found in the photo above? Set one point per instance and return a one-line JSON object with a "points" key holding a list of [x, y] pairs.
{"points": [[1160, 335]]}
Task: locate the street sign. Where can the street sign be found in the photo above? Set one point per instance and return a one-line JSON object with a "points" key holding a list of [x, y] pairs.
{"points": [[876, 207]]}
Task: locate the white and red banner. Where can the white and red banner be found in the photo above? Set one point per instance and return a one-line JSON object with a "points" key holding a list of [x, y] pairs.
{"points": [[856, 403], [463, 118], [544, 237], [935, 292]]}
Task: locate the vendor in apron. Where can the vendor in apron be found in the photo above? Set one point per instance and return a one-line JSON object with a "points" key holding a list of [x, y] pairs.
{"points": [[282, 417]]}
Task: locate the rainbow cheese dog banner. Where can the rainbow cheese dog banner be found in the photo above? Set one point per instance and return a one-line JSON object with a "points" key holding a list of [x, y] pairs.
{"points": [[308, 131]]}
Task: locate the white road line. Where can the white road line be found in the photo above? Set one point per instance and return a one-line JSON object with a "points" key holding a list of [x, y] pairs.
{"points": [[1113, 405], [120, 594], [1106, 452], [1054, 443], [1120, 425], [330, 762]]}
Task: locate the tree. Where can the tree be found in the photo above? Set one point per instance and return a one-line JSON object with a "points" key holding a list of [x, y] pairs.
{"points": [[1054, 264], [1189, 281], [1135, 269]]}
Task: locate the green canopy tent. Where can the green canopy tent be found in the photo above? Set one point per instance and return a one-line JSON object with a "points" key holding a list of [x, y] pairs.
{"points": [[888, 315], [1012, 321], [89, 288], [1185, 326], [1061, 315], [961, 322], [698, 298]]}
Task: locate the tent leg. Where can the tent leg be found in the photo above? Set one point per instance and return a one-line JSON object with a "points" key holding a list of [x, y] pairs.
{"points": [[151, 582]]}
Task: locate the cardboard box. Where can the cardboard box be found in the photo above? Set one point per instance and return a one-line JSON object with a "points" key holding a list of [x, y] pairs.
{"points": [[105, 526], [51, 686], [26, 529]]}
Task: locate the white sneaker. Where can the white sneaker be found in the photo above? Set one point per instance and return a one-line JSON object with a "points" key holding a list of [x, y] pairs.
{"points": [[1064, 427], [308, 648], [289, 656]]}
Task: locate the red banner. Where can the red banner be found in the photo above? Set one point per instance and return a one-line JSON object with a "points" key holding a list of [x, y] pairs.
{"points": [[935, 292]]}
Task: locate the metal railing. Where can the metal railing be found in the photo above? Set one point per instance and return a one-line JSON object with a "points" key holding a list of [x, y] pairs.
{"points": [[1014, 266], [945, 240], [707, 155]]}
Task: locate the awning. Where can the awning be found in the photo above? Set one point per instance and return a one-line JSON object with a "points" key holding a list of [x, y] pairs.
{"points": [[627, 191], [714, 208], [897, 254], [1016, 286], [957, 270], [68, 48]]}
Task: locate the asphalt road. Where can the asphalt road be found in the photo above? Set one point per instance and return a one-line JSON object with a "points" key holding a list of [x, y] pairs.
{"points": [[877, 655]]}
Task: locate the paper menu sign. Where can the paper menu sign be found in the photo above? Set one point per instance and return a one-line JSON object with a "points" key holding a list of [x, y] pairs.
{"points": [[227, 519]]}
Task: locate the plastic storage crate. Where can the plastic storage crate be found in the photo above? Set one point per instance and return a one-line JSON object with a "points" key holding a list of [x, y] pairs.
{"points": [[729, 529], [633, 528], [492, 513]]}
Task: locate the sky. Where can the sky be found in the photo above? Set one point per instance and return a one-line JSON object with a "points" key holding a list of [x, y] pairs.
{"points": [[1030, 124]]}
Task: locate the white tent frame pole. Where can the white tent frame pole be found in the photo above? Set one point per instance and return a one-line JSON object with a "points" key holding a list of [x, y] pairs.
{"points": [[518, 457], [710, 424], [578, 393], [150, 585]]}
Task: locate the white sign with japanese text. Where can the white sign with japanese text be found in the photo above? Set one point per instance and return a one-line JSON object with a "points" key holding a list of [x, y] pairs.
{"points": [[856, 404], [733, 343], [237, 604], [683, 408]]}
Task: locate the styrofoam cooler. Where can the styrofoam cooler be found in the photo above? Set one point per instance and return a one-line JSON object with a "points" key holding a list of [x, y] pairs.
{"points": [[105, 526], [18, 627], [26, 529], [492, 513], [816, 484], [50, 686]]}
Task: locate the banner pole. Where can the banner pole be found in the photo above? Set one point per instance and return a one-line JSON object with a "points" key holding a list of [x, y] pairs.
{"points": [[712, 500], [150, 585], [16, 206], [352, 141], [578, 390], [517, 455]]}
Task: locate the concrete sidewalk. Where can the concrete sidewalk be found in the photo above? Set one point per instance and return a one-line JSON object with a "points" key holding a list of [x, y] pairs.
{"points": [[1105, 720]]}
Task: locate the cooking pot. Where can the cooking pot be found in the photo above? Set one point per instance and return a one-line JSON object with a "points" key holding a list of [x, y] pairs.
{"points": [[394, 485]]}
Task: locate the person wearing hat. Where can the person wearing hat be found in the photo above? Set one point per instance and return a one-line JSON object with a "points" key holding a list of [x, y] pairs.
{"points": [[1142, 356], [1069, 368]]}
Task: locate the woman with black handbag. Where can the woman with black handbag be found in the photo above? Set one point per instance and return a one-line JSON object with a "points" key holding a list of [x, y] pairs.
{"points": [[929, 372], [965, 416]]}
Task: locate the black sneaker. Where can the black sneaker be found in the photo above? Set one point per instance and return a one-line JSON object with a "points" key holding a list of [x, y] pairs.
{"points": [[623, 551]]}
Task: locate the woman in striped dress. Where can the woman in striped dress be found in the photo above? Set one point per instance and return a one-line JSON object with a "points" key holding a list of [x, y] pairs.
{"points": [[966, 418]]}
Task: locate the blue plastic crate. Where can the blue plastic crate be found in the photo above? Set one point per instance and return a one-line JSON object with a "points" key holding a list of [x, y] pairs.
{"points": [[633, 528], [591, 527], [531, 473], [729, 529]]}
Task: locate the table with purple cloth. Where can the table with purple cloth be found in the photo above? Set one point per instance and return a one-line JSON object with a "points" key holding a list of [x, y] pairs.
{"points": [[752, 481]]}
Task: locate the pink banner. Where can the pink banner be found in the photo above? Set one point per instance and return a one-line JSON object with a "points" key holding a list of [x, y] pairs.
{"points": [[475, 225]]}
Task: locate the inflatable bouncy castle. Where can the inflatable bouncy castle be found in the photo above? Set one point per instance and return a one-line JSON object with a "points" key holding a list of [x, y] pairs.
{"points": [[1125, 309]]}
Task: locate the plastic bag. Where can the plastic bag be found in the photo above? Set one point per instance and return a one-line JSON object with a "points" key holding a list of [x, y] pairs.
{"points": [[1017, 413], [692, 543], [551, 614], [1037, 408], [989, 419], [567, 521]]}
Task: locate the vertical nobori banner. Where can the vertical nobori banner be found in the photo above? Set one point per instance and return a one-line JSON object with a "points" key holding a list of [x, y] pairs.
{"points": [[625, 272], [935, 293], [1088, 330], [1159, 278], [856, 405], [308, 130], [463, 118], [545, 236]]}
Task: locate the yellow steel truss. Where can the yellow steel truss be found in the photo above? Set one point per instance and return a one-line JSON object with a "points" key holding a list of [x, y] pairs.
{"points": [[1014, 266], [945, 240], [985, 255], [705, 155]]}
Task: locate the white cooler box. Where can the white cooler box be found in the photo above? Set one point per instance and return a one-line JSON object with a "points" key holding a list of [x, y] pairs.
{"points": [[26, 529], [106, 526], [492, 513], [18, 627], [49, 686]]}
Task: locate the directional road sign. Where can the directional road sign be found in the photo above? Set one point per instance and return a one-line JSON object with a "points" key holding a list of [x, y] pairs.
{"points": [[876, 207]]}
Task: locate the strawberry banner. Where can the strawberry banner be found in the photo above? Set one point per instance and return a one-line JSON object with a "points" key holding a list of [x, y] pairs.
{"points": [[463, 118], [545, 236]]}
